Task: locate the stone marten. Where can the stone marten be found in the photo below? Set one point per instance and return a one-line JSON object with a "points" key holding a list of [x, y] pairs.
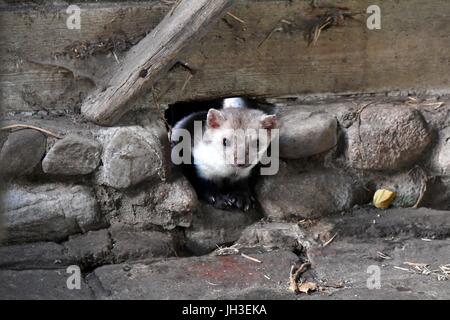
{"points": [[223, 150]]}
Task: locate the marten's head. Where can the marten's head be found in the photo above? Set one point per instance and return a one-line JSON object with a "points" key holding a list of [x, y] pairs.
{"points": [[234, 141]]}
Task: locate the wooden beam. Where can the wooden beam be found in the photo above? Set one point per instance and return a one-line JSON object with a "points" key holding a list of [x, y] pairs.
{"points": [[232, 59], [151, 57]]}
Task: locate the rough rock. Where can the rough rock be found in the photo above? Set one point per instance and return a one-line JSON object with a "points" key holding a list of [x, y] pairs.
{"points": [[371, 223], [167, 204], [387, 138], [407, 185], [38, 255], [273, 235], [213, 227], [346, 263], [175, 202], [442, 162], [304, 134], [132, 155], [206, 277], [90, 249], [437, 195], [49, 211], [22, 152], [73, 155], [40, 285], [3, 137], [292, 194], [132, 245]]}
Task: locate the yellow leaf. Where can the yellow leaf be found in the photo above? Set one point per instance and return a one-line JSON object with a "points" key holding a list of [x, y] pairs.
{"points": [[307, 287], [383, 198]]}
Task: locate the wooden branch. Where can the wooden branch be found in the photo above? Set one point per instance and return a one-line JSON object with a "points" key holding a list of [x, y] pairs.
{"points": [[151, 57]]}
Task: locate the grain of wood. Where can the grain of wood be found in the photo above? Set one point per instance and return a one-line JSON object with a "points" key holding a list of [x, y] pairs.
{"points": [[151, 57], [348, 58]]}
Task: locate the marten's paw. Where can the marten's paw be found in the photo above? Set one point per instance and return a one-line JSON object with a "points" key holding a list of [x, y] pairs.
{"points": [[240, 201], [218, 200]]}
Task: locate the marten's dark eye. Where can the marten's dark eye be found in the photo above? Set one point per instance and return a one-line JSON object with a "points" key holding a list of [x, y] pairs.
{"points": [[225, 142]]}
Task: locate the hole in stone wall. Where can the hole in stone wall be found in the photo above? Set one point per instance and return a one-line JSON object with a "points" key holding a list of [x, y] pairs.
{"points": [[177, 111], [180, 110]]}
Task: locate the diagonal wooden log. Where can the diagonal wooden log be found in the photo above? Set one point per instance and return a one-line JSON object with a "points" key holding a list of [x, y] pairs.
{"points": [[151, 57]]}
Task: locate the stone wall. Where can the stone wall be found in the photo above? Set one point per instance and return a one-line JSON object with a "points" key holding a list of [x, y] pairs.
{"points": [[335, 152], [76, 193]]}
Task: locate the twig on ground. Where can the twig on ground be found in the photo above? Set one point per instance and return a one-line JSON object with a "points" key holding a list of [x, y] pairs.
{"points": [[383, 256], [403, 269], [295, 275], [441, 274], [329, 241], [224, 251], [250, 258], [436, 105]]}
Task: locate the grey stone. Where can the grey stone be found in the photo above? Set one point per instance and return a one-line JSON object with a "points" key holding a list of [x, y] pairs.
{"points": [[388, 292], [406, 185], [73, 155], [175, 203], [90, 249], [273, 235], [437, 195], [304, 134], [49, 211], [292, 194], [346, 262], [138, 245], [206, 277], [3, 137], [38, 255], [22, 152], [213, 227], [372, 223], [443, 155], [40, 285], [167, 204], [132, 155], [387, 138]]}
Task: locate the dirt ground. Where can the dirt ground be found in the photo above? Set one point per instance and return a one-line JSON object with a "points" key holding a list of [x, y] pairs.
{"points": [[409, 249]]}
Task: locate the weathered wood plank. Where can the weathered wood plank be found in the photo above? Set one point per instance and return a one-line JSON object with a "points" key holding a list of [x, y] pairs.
{"points": [[409, 52], [155, 54], [34, 41]]}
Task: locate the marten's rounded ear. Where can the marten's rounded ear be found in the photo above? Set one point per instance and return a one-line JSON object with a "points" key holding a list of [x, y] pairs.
{"points": [[215, 118], [269, 122]]}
